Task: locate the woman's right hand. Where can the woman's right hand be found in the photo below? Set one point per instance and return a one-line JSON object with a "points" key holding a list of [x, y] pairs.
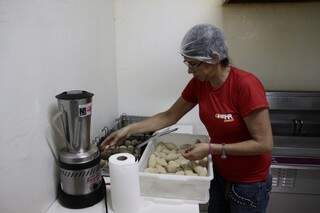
{"points": [[115, 138]]}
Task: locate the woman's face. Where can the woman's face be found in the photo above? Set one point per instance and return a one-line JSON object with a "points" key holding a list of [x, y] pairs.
{"points": [[199, 69]]}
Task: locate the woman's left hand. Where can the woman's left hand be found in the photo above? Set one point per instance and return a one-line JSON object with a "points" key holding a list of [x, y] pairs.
{"points": [[197, 151]]}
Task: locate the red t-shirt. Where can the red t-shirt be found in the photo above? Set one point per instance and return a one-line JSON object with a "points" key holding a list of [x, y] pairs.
{"points": [[222, 111]]}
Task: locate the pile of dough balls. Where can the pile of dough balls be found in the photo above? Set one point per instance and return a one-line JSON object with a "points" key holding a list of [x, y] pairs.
{"points": [[129, 146], [167, 159]]}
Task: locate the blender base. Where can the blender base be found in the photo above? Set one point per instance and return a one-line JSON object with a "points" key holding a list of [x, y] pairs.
{"points": [[82, 201]]}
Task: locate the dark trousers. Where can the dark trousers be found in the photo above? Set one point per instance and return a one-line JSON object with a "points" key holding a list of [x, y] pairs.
{"points": [[226, 197]]}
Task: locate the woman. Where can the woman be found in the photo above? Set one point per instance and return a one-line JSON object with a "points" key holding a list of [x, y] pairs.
{"points": [[234, 109]]}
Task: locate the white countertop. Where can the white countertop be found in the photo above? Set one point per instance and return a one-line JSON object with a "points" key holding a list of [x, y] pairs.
{"points": [[149, 206]]}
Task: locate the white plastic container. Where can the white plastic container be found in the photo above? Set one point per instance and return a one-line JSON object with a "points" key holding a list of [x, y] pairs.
{"points": [[191, 189]]}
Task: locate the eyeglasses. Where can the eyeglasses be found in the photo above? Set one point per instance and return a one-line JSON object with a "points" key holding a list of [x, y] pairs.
{"points": [[193, 67]]}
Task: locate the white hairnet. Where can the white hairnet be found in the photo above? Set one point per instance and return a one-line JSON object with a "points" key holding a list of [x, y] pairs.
{"points": [[204, 42]]}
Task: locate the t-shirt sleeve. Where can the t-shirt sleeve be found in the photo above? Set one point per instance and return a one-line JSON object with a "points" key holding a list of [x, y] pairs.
{"points": [[251, 95], [189, 93]]}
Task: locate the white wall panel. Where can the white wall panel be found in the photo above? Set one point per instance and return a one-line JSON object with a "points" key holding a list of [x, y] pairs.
{"points": [[47, 47], [278, 42]]}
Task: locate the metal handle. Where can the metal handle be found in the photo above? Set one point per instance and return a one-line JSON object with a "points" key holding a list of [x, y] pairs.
{"points": [[54, 124], [75, 143], [105, 130], [159, 134], [300, 127], [295, 127], [302, 167], [166, 132]]}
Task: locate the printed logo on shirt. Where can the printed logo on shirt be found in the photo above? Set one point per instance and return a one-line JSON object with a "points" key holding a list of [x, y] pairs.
{"points": [[224, 117]]}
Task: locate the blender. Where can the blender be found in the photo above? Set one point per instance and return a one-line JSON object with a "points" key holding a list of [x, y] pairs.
{"points": [[81, 184]]}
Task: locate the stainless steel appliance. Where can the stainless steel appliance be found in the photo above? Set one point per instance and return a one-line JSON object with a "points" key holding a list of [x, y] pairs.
{"points": [[295, 120], [81, 184]]}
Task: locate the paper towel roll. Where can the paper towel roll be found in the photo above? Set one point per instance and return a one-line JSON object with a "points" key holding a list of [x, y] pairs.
{"points": [[125, 186]]}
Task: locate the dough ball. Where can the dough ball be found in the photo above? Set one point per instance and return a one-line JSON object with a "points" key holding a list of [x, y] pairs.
{"points": [[162, 162], [171, 146], [201, 171], [189, 173], [180, 173], [151, 170], [152, 161], [172, 167], [161, 169], [171, 156]]}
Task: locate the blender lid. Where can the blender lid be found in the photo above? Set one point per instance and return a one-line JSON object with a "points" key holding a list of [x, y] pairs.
{"points": [[74, 94]]}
